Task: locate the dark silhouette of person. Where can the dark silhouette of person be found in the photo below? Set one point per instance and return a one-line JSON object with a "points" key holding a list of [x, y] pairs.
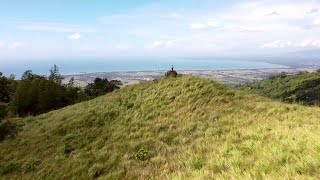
{"points": [[171, 73]]}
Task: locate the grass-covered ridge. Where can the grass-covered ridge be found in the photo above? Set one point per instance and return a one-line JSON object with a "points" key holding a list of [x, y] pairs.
{"points": [[174, 128], [303, 87]]}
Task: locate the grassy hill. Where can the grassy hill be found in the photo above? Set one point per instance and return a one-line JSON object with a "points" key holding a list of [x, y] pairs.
{"points": [[301, 88], [174, 128]]}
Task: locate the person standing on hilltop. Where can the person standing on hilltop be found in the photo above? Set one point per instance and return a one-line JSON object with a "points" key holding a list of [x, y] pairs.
{"points": [[171, 73]]}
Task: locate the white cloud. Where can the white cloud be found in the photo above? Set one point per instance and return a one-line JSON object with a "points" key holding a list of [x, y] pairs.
{"points": [[124, 18], [2, 44], [239, 27], [164, 44], [198, 26], [11, 45], [242, 27], [307, 43], [157, 44], [117, 18], [75, 36], [15, 45], [56, 27], [315, 24], [313, 11], [277, 44], [170, 43], [262, 15], [201, 26], [274, 13], [282, 10], [175, 15], [122, 46], [310, 43]]}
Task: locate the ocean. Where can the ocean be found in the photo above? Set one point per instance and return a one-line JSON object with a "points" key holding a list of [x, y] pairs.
{"points": [[68, 67]]}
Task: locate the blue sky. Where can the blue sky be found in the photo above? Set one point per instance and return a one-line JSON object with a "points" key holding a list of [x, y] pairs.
{"points": [[38, 29]]}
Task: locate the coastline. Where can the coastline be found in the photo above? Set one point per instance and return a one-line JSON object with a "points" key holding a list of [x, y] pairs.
{"points": [[232, 77]]}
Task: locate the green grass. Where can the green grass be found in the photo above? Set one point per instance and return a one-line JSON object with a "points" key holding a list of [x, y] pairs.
{"points": [[174, 128], [302, 88]]}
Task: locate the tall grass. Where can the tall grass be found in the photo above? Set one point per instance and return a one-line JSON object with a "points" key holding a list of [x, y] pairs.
{"points": [[173, 128]]}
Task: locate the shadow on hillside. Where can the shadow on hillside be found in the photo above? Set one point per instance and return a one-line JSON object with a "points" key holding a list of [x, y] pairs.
{"points": [[8, 129]]}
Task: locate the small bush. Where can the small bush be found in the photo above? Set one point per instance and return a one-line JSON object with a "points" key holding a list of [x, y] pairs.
{"points": [[67, 140], [7, 128], [32, 165], [198, 163], [111, 115], [67, 149], [130, 105], [3, 111], [10, 168], [142, 154]]}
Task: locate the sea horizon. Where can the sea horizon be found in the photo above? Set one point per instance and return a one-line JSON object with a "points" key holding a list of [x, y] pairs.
{"points": [[125, 65]]}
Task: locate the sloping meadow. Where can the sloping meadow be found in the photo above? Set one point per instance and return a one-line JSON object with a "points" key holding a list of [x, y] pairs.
{"points": [[172, 128]]}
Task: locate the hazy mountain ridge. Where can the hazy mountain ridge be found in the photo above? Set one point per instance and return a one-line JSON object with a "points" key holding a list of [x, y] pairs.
{"points": [[297, 59]]}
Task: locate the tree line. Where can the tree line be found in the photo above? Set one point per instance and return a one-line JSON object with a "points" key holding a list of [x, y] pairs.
{"points": [[35, 94]]}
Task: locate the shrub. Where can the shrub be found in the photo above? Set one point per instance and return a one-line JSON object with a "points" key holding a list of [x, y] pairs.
{"points": [[7, 129], [68, 148], [101, 86], [32, 165], [198, 163], [10, 168], [3, 110], [142, 154]]}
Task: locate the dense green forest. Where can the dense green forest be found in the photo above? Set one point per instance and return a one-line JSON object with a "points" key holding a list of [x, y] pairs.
{"points": [[7, 88], [34, 94], [303, 88]]}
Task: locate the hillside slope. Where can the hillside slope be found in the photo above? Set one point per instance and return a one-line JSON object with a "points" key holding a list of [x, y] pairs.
{"points": [[174, 128], [302, 88]]}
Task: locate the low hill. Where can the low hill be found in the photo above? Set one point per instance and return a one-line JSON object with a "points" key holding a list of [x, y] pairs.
{"points": [[301, 88], [173, 128]]}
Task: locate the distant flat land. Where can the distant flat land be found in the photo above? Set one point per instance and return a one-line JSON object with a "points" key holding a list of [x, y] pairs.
{"points": [[227, 77]]}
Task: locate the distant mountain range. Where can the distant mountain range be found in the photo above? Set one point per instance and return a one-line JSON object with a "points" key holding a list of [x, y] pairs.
{"points": [[313, 55], [305, 58], [297, 59]]}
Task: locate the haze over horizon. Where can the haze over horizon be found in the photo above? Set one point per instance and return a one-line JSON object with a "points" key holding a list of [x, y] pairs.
{"points": [[37, 29]]}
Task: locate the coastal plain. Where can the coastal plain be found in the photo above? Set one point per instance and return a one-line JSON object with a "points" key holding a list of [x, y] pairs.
{"points": [[227, 77]]}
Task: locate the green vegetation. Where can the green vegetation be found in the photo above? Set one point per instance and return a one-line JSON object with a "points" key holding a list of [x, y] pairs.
{"points": [[303, 88], [172, 128], [101, 86], [7, 88], [35, 94]]}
